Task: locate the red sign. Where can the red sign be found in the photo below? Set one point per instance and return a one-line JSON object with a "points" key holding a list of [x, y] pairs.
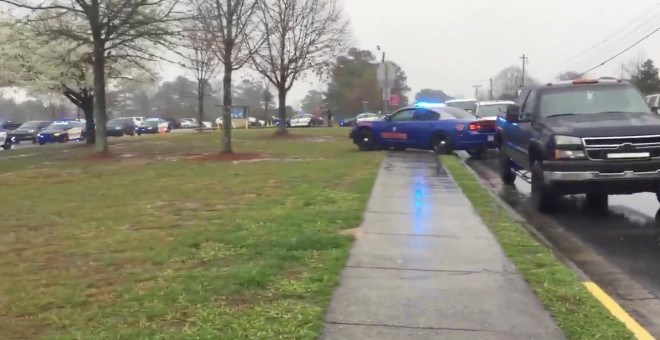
{"points": [[394, 100], [394, 135]]}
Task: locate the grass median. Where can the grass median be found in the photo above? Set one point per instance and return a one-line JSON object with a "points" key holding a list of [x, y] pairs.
{"points": [[166, 240], [575, 310]]}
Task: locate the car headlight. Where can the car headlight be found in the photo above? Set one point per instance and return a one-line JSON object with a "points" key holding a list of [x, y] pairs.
{"points": [[570, 154], [567, 140]]}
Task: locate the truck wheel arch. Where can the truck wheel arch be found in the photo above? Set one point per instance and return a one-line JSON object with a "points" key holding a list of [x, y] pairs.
{"points": [[535, 154]]}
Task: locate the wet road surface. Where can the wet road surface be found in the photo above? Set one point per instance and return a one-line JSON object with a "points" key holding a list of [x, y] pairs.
{"points": [[619, 248], [426, 267]]}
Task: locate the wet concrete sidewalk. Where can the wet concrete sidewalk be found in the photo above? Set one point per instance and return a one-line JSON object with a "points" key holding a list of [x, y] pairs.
{"points": [[426, 267]]}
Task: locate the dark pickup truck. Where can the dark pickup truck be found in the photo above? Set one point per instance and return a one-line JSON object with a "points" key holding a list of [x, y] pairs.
{"points": [[595, 137]]}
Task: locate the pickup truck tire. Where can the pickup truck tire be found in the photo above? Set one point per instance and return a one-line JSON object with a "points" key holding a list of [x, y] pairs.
{"points": [[442, 144], [597, 201], [543, 198], [657, 196], [365, 140], [507, 175]]}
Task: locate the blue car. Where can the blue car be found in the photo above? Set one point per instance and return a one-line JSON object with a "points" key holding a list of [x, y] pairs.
{"points": [[441, 129]]}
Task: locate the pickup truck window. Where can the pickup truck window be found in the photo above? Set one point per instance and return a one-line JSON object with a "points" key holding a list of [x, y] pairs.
{"points": [[530, 103], [591, 100]]}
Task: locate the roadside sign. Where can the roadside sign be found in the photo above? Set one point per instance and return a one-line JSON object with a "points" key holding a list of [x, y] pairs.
{"points": [[394, 100], [386, 74]]}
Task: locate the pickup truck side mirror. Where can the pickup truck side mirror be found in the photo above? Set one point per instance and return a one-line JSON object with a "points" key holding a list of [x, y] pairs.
{"points": [[654, 109], [512, 113]]}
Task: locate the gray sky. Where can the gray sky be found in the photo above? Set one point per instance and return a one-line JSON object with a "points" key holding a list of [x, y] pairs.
{"points": [[454, 44]]}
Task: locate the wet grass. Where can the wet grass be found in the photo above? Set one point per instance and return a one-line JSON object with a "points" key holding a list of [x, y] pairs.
{"points": [[154, 243], [575, 310]]}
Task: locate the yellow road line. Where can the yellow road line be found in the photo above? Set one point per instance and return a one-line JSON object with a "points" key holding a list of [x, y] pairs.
{"points": [[618, 312]]}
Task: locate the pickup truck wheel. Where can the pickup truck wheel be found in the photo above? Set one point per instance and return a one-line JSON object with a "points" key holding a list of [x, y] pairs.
{"points": [[365, 140], [657, 196], [507, 175], [442, 144], [597, 201], [543, 198]]}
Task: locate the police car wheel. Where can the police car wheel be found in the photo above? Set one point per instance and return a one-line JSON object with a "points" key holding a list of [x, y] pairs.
{"points": [[365, 140], [442, 144]]}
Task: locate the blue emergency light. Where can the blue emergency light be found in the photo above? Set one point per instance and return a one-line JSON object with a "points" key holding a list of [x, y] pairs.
{"points": [[428, 104]]}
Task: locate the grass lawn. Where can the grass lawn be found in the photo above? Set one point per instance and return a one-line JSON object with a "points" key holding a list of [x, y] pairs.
{"points": [[156, 243], [574, 309]]}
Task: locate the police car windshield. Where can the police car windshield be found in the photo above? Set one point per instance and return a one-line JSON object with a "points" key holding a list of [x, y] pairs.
{"points": [[464, 105], [579, 100], [492, 110], [58, 126]]}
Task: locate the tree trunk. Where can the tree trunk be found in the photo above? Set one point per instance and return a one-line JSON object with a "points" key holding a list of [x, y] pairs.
{"points": [[226, 110], [88, 110], [200, 102], [281, 94], [101, 142]]}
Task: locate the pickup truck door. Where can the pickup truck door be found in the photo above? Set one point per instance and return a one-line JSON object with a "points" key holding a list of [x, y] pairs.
{"points": [[397, 130], [525, 130], [513, 141]]}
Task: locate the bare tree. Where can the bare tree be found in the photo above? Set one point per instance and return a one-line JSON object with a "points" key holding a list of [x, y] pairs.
{"points": [[111, 30], [229, 27], [568, 75], [299, 36], [507, 82], [204, 64]]}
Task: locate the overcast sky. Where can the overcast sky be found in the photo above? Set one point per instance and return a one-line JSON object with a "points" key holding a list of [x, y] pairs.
{"points": [[454, 44]]}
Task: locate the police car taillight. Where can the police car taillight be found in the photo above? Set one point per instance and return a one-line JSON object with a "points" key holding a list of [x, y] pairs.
{"points": [[474, 126]]}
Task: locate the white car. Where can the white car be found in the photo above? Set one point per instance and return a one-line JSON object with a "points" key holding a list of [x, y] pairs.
{"points": [[139, 121], [463, 104], [6, 142], [367, 116], [489, 110], [218, 123], [188, 123]]}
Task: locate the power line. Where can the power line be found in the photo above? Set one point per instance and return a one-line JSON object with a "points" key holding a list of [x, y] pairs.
{"points": [[647, 11], [622, 52]]}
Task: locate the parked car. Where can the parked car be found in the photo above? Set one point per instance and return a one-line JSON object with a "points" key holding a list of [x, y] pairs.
{"points": [[304, 119], [29, 131], [463, 104], [62, 132], [218, 123], [189, 123], [9, 124], [492, 109], [154, 125], [6, 142], [121, 126], [365, 116]]}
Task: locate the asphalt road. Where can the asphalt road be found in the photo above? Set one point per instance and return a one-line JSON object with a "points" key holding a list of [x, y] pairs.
{"points": [[619, 249]]}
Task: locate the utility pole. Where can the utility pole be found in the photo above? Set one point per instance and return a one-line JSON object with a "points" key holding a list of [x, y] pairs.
{"points": [[490, 89], [476, 90], [524, 61], [385, 93]]}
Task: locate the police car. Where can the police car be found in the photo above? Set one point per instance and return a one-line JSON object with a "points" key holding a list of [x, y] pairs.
{"points": [[6, 141], [61, 132], [427, 127]]}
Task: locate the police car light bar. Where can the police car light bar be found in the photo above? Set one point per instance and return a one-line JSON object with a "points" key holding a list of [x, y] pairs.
{"points": [[428, 104]]}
